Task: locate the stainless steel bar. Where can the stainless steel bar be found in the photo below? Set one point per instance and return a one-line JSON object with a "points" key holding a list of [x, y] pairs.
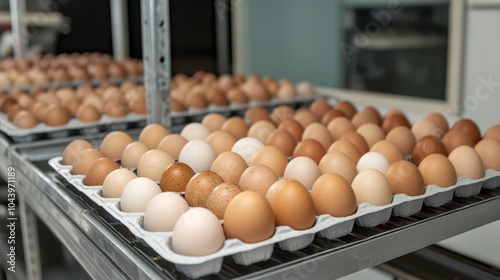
{"points": [[156, 57], [119, 29], [30, 241], [19, 29], [222, 11]]}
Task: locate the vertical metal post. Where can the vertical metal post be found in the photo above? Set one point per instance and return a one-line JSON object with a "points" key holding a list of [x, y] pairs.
{"points": [[156, 57], [19, 31], [30, 241], [119, 29], [222, 10]]}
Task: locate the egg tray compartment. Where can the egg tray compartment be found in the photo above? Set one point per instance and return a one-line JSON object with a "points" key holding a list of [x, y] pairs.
{"points": [[73, 127], [285, 237], [234, 109]]}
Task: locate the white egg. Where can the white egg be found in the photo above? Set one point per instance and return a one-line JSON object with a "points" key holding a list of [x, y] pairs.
{"points": [[198, 154], [194, 131], [163, 211], [304, 170], [373, 160], [137, 194], [247, 147]]}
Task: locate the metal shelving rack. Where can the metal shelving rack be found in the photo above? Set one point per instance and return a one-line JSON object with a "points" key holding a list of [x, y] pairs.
{"points": [[106, 254]]}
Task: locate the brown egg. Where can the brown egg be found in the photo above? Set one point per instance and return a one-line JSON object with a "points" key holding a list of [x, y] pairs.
{"points": [[282, 140], [84, 160], [330, 115], [339, 163], [438, 170], [221, 141], [273, 158], [493, 132], [72, 105], [357, 140], [196, 101], [347, 108], [255, 91], [333, 195], [255, 114], [199, 187], [138, 106], [467, 162], [73, 150], [25, 101], [236, 95], [298, 215], [213, 121], [39, 110], [225, 82], [470, 128], [13, 112], [310, 148], [132, 154], [176, 177], [114, 143], [425, 127], [363, 118], [273, 88], [99, 170], [249, 228], [116, 71], [83, 90], [403, 138], [116, 108], [372, 133], [56, 115], [6, 104], [347, 148], [318, 132], [24, 119], [440, 120], [455, 138], [152, 134], [64, 94], [153, 163], [305, 117], [320, 107], [236, 126], [489, 150], [258, 178], [172, 144], [176, 105], [339, 126], [220, 197], [286, 91], [388, 149], [229, 165], [87, 113], [216, 97], [293, 127], [261, 130], [405, 178], [281, 113], [394, 121], [426, 146]]}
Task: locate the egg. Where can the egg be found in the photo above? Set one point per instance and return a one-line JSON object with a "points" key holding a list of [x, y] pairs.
{"points": [[194, 131], [115, 182], [220, 197], [152, 134], [339, 163], [389, 150], [172, 144], [300, 214], [72, 105], [249, 218], [404, 177], [84, 160], [283, 140], [25, 120], [470, 128], [371, 186], [305, 89], [333, 195], [438, 170], [347, 108], [493, 132], [456, 138], [425, 127], [357, 140], [153, 163], [310, 148], [258, 178], [347, 148], [114, 143], [304, 170], [372, 133], [132, 154], [221, 141], [293, 127], [320, 107], [199, 187], [198, 154], [280, 113], [396, 120], [271, 157], [175, 177], [88, 113], [489, 150], [403, 138], [229, 165], [467, 162], [339, 126], [73, 150], [255, 114], [330, 115], [427, 145], [255, 91], [237, 96], [286, 92], [440, 120], [247, 147], [236, 126], [39, 109], [116, 108], [373, 160], [137, 194], [56, 115], [319, 132], [163, 211], [186, 237], [99, 170], [213, 121], [261, 130]]}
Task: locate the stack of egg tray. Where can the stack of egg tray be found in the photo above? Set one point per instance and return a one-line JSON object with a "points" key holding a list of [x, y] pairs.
{"points": [[286, 238]]}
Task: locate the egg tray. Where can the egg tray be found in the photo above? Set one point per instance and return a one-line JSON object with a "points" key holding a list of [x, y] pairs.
{"points": [[73, 127], [285, 237], [235, 109]]}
